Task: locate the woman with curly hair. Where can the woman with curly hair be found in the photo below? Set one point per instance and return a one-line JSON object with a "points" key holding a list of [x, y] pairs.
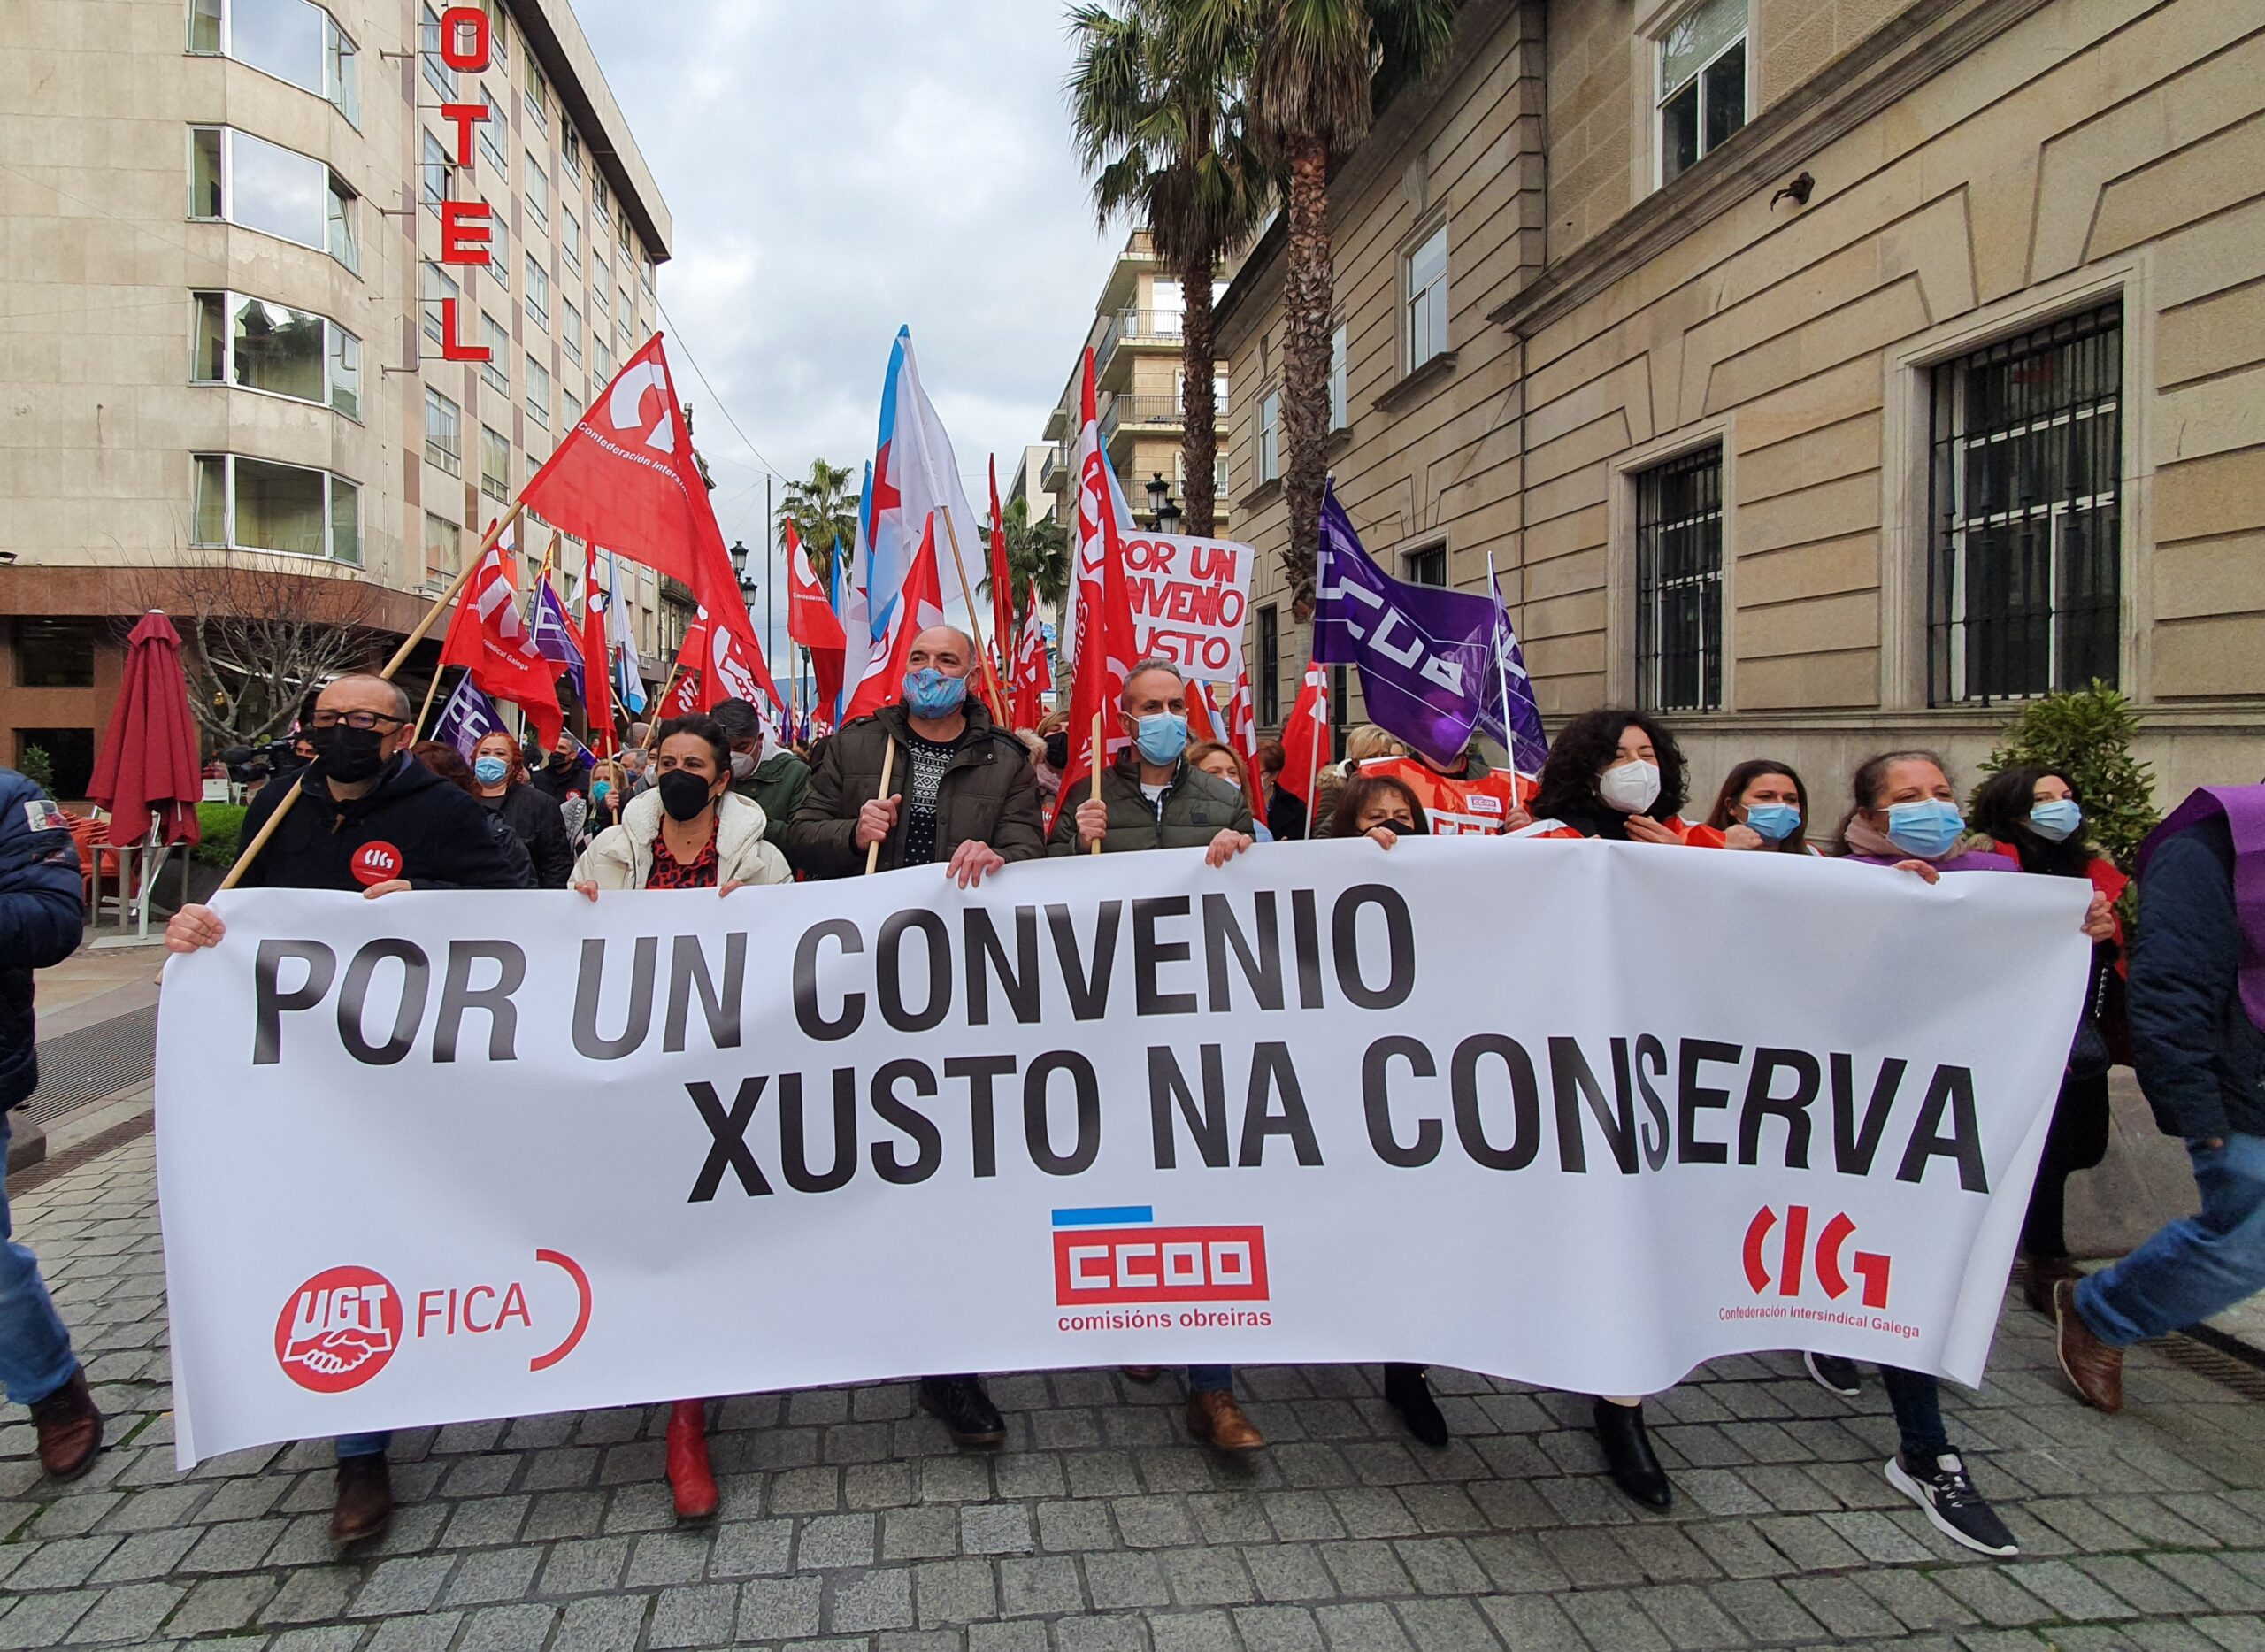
{"points": [[1612, 774]]}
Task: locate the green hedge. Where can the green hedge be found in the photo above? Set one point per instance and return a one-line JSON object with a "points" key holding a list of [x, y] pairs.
{"points": [[221, 825]]}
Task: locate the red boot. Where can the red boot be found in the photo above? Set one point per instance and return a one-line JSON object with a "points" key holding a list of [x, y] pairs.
{"points": [[690, 1479]]}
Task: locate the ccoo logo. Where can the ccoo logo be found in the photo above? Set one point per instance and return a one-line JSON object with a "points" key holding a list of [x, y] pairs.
{"points": [[338, 1330]]}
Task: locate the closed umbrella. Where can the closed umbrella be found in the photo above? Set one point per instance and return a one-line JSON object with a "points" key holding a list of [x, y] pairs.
{"points": [[146, 773]]}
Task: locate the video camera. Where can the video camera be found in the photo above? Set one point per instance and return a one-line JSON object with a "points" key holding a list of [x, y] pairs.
{"points": [[246, 765]]}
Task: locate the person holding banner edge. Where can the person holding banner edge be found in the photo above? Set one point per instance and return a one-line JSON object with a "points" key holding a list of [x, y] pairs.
{"points": [[1153, 798], [379, 822], [974, 805]]}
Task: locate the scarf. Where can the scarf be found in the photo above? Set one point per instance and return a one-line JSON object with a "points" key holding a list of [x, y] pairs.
{"points": [[1862, 839]]}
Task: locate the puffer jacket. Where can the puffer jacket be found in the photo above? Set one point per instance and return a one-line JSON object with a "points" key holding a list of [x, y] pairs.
{"points": [[621, 857], [39, 920], [1194, 809], [989, 794]]}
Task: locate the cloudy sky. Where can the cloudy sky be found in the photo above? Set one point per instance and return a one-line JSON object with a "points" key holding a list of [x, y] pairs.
{"points": [[836, 171]]}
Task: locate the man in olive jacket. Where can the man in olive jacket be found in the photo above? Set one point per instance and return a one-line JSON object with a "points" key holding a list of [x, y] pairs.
{"points": [[1151, 797], [960, 791]]}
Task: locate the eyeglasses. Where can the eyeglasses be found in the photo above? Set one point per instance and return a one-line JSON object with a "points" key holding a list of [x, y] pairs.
{"points": [[357, 719]]}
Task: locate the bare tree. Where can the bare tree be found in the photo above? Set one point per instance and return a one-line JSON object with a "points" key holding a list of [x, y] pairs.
{"points": [[257, 635]]}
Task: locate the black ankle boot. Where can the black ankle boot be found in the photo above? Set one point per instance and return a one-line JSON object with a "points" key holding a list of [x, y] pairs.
{"points": [[1628, 1454], [1408, 1392]]}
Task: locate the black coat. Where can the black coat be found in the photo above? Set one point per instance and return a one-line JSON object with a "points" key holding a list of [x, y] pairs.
{"points": [[2200, 1059], [560, 778], [39, 920], [989, 794], [426, 828], [535, 819]]}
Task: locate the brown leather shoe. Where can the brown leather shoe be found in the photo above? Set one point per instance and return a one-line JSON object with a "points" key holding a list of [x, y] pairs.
{"points": [[1142, 1373], [2039, 1275], [2094, 1368], [69, 1429], [1215, 1417], [364, 1507]]}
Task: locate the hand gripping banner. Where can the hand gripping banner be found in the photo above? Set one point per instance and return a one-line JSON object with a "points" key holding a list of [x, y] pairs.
{"points": [[449, 1156]]}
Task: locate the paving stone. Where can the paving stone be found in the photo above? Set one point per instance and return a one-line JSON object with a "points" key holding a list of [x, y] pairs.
{"points": [[604, 1624], [779, 1609], [1262, 1629], [700, 1615], [865, 1601], [955, 1592], [507, 1628]]}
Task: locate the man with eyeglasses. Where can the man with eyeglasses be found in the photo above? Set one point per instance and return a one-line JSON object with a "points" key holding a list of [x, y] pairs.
{"points": [[373, 821]]}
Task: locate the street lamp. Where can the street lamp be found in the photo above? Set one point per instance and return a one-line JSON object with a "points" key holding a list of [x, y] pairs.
{"points": [[1168, 516], [1158, 494]]}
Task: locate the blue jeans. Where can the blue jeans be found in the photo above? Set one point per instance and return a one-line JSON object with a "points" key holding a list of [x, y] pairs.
{"points": [[1210, 1378], [35, 1357], [1917, 1399], [2193, 1268], [364, 1445]]}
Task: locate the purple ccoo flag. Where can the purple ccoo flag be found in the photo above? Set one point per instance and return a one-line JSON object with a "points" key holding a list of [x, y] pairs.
{"points": [[1426, 655], [1512, 716], [554, 636], [468, 717]]}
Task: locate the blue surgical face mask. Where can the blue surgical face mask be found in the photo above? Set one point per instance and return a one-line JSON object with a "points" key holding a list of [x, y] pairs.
{"points": [[929, 694], [2056, 821], [490, 770], [1925, 828], [598, 790], [1776, 822], [1162, 738]]}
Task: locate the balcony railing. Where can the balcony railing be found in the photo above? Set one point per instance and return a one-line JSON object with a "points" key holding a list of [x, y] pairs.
{"points": [[1056, 465], [1153, 327], [1147, 411]]}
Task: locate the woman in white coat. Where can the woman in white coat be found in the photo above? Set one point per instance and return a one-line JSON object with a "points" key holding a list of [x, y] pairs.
{"points": [[687, 832]]}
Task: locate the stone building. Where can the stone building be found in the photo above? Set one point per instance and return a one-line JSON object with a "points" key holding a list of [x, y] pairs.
{"points": [[1824, 374], [222, 341]]}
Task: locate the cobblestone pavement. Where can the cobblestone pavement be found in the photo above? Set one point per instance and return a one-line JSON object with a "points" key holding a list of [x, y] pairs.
{"points": [[850, 1522]]}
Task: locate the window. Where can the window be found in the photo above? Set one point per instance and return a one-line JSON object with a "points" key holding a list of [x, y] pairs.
{"points": [[292, 40], [436, 284], [246, 180], [2024, 586], [570, 238], [570, 150], [1680, 584], [1426, 565], [263, 346], [495, 372], [538, 98], [645, 274], [433, 174], [1269, 666], [441, 548], [499, 252], [570, 330], [1427, 299], [438, 75], [1219, 473], [538, 294], [600, 213], [494, 133], [72, 751], [1701, 83], [254, 504], [573, 410], [1336, 343], [538, 190], [443, 446], [495, 464], [538, 393], [56, 653], [601, 355], [498, 31], [1270, 436], [621, 236], [598, 283]]}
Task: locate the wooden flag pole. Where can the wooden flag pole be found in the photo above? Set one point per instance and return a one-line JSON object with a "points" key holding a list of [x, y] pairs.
{"points": [[967, 595], [888, 767], [431, 690], [1096, 769], [400, 657], [653, 723]]}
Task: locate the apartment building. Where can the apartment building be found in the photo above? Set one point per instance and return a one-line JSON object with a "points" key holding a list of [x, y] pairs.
{"points": [[223, 341], [1136, 341], [1824, 374]]}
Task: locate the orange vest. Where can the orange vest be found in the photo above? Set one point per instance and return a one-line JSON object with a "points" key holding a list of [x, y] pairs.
{"points": [[1465, 807]]}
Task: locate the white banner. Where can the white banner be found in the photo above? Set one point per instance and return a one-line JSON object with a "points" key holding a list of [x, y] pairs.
{"points": [[1188, 597], [440, 1157]]}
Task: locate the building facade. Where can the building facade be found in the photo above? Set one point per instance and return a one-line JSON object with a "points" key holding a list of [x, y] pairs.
{"points": [[1824, 374], [223, 340]]}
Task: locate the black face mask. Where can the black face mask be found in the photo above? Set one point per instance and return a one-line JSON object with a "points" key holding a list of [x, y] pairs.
{"points": [[1394, 826], [347, 755], [683, 794], [1057, 749]]}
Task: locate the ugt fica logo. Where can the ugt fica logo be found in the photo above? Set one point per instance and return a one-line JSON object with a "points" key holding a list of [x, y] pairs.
{"points": [[1793, 1251], [1117, 1254], [339, 1329]]}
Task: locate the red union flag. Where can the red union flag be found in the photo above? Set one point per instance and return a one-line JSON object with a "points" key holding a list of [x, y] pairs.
{"points": [[487, 637], [625, 478]]}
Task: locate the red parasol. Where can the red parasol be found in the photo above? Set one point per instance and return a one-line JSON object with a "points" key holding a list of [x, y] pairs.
{"points": [[147, 765]]}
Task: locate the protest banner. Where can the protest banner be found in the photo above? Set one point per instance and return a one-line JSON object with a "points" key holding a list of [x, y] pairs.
{"points": [[1189, 598], [459, 1155]]}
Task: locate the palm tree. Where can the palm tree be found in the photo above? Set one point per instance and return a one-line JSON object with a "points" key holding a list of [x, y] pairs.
{"points": [[823, 510], [1323, 69], [1156, 109], [1037, 551]]}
